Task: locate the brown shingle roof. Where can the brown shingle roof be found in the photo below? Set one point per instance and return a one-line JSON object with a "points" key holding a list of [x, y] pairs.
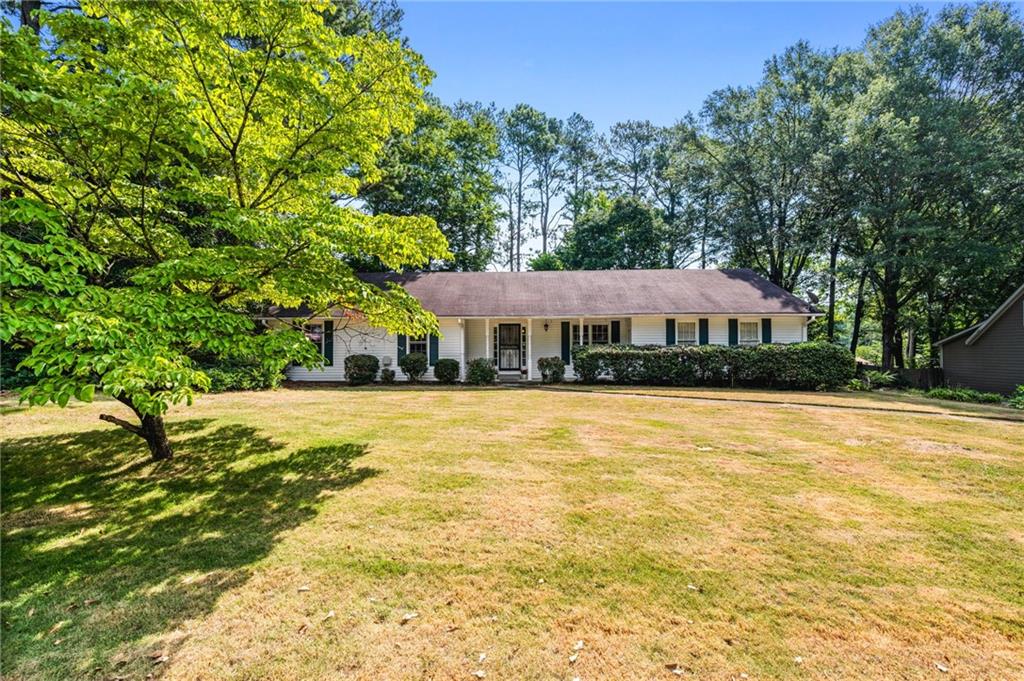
{"points": [[602, 293]]}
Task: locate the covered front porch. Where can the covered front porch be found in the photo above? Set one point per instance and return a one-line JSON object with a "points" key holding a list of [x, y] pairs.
{"points": [[515, 344]]}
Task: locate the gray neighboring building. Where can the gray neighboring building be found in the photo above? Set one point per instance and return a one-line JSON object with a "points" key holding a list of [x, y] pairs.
{"points": [[988, 356]]}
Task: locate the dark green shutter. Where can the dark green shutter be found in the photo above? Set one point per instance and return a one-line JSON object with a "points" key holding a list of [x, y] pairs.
{"points": [[766, 330], [734, 332], [401, 345], [566, 341], [616, 335], [670, 332], [432, 349], [702, 330], [328, 342]]}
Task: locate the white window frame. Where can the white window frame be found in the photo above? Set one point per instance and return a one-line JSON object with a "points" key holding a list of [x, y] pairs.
{"points": [[588, 333], [425, 340], [680, 338], [314, 332], [756, 323]]}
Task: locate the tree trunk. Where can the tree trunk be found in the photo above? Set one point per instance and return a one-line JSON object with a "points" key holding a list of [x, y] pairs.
{"points": [[858, 312], [150, 428], [890, 329], [833, 256], [28, 14]]}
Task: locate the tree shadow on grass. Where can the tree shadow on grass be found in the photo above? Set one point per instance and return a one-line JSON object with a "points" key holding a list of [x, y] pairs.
{"points": [[88, 517]]}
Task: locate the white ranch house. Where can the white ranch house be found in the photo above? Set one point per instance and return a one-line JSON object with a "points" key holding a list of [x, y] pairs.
{"points": [[515, 318]]}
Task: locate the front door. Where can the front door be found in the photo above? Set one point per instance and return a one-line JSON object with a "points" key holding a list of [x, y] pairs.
{"points": [[509, 350]]}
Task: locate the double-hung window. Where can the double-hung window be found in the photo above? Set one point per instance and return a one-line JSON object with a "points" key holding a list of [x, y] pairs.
{"points": [[750, 333], [686, 334], [593, 334], [418, 344], [315, 333]]}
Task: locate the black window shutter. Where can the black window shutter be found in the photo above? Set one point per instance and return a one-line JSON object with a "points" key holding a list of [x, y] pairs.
{"points": [[702, 331], [734, 332], [401, 345], [566, 340], [766, 330], [670, 332], [616, 334], [432, 349], [328, 342]]}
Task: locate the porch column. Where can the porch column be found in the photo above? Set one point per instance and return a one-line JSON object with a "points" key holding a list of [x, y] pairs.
{"points": [[462, 349], [487, 338], [581, 332], [529, 349]]}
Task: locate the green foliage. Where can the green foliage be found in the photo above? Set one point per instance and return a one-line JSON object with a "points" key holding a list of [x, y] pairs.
{"points": [[444, 169], [361, 369], [630, 234], [171, 186], [545, 262], [11, 376], [799, 366], [387, 376], [481, 371], [231, 376], [964, 395], [1017, 398], [413, 365], [858, 385], [552, 369], [447, 370], [879, 379]]}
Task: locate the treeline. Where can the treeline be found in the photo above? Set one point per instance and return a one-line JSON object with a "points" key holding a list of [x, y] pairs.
{"points": [[885, 181]]}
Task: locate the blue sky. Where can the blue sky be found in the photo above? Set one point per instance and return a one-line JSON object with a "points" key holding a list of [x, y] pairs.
{"points": [[615, 61]]}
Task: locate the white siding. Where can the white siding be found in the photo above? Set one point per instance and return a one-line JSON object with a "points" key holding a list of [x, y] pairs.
{"points": [[354, 338], [648, 330]]}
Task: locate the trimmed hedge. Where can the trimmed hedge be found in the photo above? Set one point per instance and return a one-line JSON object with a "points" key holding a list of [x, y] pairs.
{"points": [[447, 370], [964, 395], [387, 376], [413, 365], [481, 371], [229, 376], [361, 369], [798, 366], [552, 369]]}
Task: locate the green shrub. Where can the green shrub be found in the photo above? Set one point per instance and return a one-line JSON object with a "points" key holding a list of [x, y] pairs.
{"points": [[361, 369], [964, 395], [387, 376], [801, 366], [231, 376], [481, 371], [552, 369], [1017, 398], [879, 379], [413, 365], [11, 377], [447, 370], [858, 385]]}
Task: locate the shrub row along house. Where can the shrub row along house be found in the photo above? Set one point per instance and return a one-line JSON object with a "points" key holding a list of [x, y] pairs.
{"points": [[517, 318]]}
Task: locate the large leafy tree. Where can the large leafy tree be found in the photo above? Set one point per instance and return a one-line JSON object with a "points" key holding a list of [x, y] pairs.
{"points": [[933, 140], [521, 126], [629, 156], [581, 159], [446, 169], [622, 234], [173, 167], [762, 142]]}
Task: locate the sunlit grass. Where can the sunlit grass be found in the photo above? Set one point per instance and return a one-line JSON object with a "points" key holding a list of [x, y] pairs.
{"points": [[726, 537]]}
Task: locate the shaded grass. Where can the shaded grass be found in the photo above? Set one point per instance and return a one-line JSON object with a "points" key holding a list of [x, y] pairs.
{"points": [[723, 537]]}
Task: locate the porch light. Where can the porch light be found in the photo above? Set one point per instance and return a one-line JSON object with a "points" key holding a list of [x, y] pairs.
{"points": [[545, 326]]}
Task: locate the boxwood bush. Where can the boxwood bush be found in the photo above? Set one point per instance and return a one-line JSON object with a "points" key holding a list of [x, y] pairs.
{"points": [[413, 365], [447, 370], [800, 366], [481, 371], [387, 376], [552, 369], [361, 369], [229, 376]]}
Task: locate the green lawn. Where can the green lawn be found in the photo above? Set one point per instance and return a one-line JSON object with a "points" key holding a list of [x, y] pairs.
{"points": [[296, 531]]}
